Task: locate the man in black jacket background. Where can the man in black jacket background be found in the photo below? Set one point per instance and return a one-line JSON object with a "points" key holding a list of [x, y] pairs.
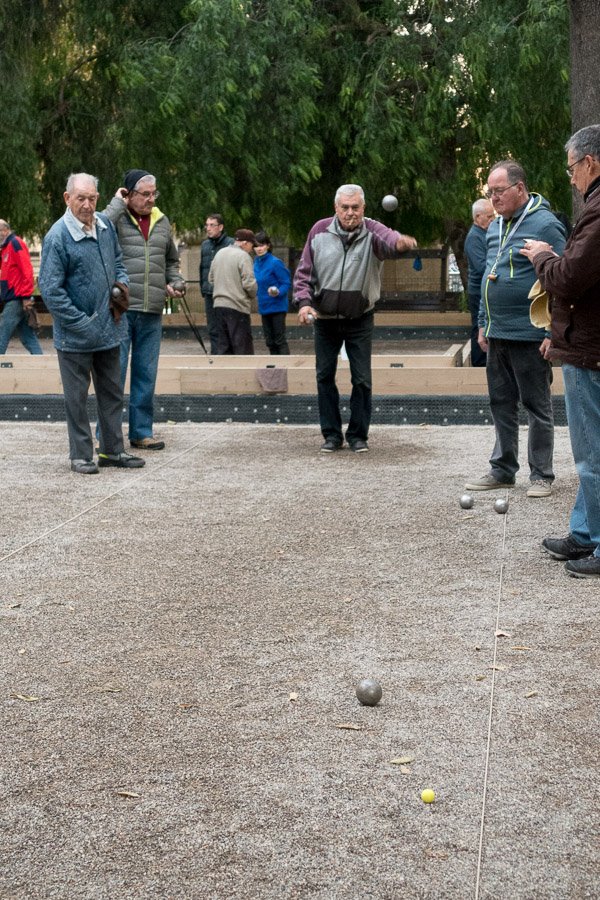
{"points": [[216, 239]]}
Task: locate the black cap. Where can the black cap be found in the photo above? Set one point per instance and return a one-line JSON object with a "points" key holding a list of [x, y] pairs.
{"points": [[131, 178]]}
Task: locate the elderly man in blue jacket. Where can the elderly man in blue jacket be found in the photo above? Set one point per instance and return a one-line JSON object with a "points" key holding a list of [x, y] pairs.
{"points": [[81, 265], [517, 367]]}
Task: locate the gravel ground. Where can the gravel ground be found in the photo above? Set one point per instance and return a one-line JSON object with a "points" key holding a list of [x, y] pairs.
{"points": [[180, 646]]}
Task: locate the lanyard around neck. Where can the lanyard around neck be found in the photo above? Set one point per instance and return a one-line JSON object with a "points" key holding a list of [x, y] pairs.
{"points": [[510, 234]]}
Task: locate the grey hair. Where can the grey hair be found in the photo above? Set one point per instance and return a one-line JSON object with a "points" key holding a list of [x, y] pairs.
{"points": [[478, 206], [4, 224], [348, 190], [82, 175], [514, 170], [145, 178], [585, 142]]}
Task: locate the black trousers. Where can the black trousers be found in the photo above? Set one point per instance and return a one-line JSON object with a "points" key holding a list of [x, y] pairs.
{"points": [[235, 332], [357, 334], [274, 331]]}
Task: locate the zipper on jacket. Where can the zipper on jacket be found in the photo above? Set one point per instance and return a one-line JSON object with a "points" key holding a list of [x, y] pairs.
{"points": [[147, 272], [342, 276], [510, 261]]}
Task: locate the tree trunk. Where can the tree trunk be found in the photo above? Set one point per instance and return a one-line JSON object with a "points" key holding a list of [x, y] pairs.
{"points": [[585, 85]]}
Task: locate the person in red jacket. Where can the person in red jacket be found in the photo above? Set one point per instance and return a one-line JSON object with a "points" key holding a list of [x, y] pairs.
{"points": [[16, 289]]}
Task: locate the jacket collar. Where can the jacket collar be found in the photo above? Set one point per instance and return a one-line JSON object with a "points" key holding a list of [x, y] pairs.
{"points": [[591, 188], [75, 227]]}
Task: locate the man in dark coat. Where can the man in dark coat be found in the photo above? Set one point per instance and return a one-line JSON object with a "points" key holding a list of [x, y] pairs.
{"points": [[573, 281], [216, 239], [475, 248]]}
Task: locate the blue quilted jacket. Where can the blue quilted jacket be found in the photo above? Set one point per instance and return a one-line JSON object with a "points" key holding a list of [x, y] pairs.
{"points": [[76, 275]]}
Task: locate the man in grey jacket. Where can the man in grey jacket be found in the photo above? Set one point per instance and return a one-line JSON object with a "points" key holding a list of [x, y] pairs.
{"points": [[152, 262], [232, 274], [337, 284], [81, 263]]}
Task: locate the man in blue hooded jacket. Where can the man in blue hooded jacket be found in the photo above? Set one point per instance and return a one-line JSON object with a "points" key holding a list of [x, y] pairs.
{"points": [[81, 264], [517, 365]]}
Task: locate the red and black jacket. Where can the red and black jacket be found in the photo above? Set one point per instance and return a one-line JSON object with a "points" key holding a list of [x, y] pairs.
{"points": [[16, 272]]}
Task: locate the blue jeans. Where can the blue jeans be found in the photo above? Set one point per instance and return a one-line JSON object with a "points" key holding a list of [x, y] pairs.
{"points": [[330, 334], [144, 332], [582, 399], [14, 321]]}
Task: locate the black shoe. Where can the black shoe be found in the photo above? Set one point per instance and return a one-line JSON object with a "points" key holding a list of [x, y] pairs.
{"points": [[359, 446], [120, 460], [330, 446], [566, 548], [84, 466], [584, 568]]}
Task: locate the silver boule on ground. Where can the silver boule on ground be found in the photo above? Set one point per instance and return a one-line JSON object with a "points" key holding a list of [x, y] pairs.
{"points": [[369, 692]]}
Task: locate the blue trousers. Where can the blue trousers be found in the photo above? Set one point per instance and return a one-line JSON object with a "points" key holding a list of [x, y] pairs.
{"points": [[144, 332], [14, 321], [582, 399], [357, 334]]}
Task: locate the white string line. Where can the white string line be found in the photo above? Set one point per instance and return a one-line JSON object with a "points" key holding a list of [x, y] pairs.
{"points": [[489, 734], [120, 490]]}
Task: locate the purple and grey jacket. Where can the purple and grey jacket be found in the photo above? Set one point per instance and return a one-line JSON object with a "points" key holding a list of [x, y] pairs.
{"points": [[341, 277]]}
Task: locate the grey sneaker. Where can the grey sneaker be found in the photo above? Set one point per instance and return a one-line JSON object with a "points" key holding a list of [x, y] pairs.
{"points": [[359, 446], [487, 483], [84, 466], [539, 488], [330, 446], [566, 548], [584, 568]]}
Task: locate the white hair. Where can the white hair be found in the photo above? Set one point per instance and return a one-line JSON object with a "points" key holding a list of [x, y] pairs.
{"points": [[479, 206], [84, 176], [348, 190], [145, 179]]}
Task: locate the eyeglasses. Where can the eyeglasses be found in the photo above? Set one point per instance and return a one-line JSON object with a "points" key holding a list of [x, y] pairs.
{"points": [[147, 194], [569, 169], [497, 192]]}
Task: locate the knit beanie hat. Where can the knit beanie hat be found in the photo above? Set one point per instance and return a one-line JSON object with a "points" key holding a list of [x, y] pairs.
{"points": [[131, 178]]}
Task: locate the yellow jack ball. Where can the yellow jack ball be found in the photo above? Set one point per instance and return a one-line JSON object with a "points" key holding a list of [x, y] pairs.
{"points": [[427, 796]]}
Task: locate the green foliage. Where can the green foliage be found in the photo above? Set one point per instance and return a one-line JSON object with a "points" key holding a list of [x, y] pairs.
{"points": [[259, 109]]}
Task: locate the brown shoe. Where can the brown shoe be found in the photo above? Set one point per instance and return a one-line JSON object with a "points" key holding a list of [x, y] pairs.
{"points": [[148, 443]]}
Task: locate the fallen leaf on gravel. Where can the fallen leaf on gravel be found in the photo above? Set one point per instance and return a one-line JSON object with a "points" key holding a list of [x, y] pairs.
{"points": [[402, 760], [512, 592], [498, 668], [13, 606], [501, 634], [292, 697], [347, 599], [72, 608], [21, 650], [471, 516], [127, 794], [25, 697], [521, 648], [62, 662], [350, 727], [478, 646], [184, 705], [171, 422], [435, 854], [404, 770], [109, 690], [481, 677], [531, 694]]}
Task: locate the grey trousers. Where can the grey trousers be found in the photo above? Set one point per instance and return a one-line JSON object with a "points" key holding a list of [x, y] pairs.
{"points": [[104, 367], [516, 371]]}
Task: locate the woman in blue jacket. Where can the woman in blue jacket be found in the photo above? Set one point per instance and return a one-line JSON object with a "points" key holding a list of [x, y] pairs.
{"points": [[273, 280]]}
